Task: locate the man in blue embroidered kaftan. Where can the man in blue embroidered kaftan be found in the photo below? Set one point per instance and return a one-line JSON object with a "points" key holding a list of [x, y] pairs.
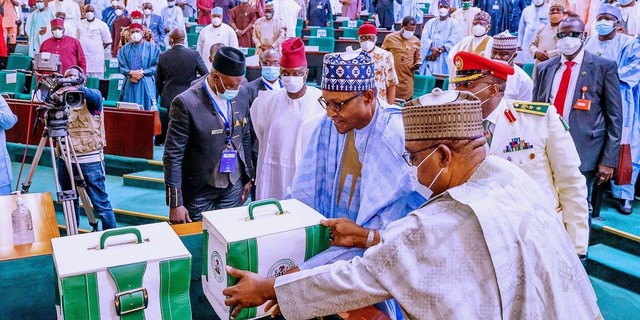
{"points": [[138, 61], [438, 37]]}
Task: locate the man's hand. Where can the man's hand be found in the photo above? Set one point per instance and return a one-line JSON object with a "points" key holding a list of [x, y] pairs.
{"points": [[541, 55], [346, 233], [166, 29], [179, 215], [264, 47], [416, 66], [251, 290], [43, 30], [245, 191], [604, 174]]}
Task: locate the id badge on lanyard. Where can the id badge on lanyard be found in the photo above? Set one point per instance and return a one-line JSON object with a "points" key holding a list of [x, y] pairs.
{"points": [[228, 159]]}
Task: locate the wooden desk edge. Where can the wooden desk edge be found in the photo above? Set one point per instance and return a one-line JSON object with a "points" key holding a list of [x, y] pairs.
{"points": [[186, 229]]}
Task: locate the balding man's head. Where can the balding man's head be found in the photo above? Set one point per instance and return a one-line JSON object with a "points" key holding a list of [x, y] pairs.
{"points": [[213, 49], [176, 36], [571, 37], [270, 57], [572, 23]]}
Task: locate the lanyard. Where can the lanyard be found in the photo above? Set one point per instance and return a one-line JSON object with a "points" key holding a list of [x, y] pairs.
{"points": [[266, 84], [227, 125]]}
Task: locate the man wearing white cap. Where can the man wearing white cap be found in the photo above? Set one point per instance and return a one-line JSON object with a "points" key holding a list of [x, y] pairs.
{"points": [[465, 17], [479, 42], [519, 84], [216, 32], [484, 246], [268, 32]]}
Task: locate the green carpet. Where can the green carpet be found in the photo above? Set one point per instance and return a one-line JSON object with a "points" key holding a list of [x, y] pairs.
{"points": [[616, 303]]}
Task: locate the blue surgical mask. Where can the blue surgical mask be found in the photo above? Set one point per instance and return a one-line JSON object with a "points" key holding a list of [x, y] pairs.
{"points": [[625, 2], [271, 73], [604, 27], [227, 94], [423, 190]]}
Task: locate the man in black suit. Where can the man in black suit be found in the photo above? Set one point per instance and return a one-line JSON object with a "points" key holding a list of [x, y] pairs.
{"points": [[207, 157], [177, 67], [584, 88]]}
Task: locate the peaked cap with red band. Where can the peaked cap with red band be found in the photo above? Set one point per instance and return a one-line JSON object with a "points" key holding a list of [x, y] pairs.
{"points": [[367, 28], [57, 22], [136, 14], [293, 54], [470, 66]]}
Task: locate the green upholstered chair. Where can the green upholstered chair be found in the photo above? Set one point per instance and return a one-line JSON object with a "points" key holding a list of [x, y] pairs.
{"points": [[12, 82], [192, 39], [93, 83], [27, 96], [351, 33], [111, 67], [445, 84], [423, 85], [22, 49], [196, 28], [324, 43], [115, 91], [322, 32], [528, 68], [18, 61]]}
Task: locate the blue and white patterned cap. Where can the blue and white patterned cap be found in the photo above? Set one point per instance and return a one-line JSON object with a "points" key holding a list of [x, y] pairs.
{"points": [[348, 72]]}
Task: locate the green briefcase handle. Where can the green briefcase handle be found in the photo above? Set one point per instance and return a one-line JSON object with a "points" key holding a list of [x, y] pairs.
{"points": [[264, 202], [119, 232]]}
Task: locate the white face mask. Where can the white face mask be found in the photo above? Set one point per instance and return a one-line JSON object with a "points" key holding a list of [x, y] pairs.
{"points": [[538, 2], [136, 37], [569, 45], [171, 4], [443, 12], [216, 21], [119, 12], [423, 190], [367, 46], [39, 5], [147, 12], [57, 34], [483, 89], [292, 84], [139, 21], [407, 34], [90, 15], [479, 31]]}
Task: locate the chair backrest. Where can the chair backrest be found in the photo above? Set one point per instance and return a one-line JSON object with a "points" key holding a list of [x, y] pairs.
{"points": [[324, 44], [352, 23], [196, 28], [528, 68], [445, 84], [350, 33], [22, 49], [93, 82], [299, 23], [12, 82], [423, 85], [110, 67], [322, 32], [299, 32], [115, 89], [192, 39], [18, 61]]}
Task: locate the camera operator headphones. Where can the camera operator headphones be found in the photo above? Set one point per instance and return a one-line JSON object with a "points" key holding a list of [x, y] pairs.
{"points": [[81, 75]]}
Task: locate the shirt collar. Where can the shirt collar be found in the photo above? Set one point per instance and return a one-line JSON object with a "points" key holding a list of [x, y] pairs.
{"points": [[493, 116]]}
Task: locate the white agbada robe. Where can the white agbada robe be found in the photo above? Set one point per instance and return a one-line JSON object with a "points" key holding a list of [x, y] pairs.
{"points": [[487, 249], [158, 5], [469, 42], [35, 21], [173, 18], [210, 36], [287, 11], [283, 127], [99, 6], [631, 18], [92, 36], [465, 19], [519, 86], [71, 10], [533, 18]]}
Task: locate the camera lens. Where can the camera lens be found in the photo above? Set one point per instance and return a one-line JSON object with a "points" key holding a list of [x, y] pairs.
{"points": [[73, 99]]}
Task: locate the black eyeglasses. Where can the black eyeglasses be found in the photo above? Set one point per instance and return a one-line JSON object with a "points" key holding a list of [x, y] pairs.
{"points": [[409, 157], [573, 34], [336, 106], [462, 84]]}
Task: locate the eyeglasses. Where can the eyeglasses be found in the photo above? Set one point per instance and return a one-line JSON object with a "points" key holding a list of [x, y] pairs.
{"points": [[462, 84], [336, 106], [573, 34], [409, 157]]}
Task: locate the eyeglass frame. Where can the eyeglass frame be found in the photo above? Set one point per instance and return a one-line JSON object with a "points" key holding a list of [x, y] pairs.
{"points": [[338, 105], [407, 155], [573, 34]]}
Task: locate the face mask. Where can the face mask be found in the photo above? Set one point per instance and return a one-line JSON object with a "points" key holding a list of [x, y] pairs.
{"points": [[139, 21], [423, 190], [604, 27], [216, 21], [483, 89], [271, 73], [466, 5], [443, 12], [367, 46], [39, 5], [268, 15], [119, 12], [171, 4], [147, 12], [136, 37], [479, 31], [555, 18], [407, 34], [90, 15], [228, 94], [244, 1], [57, 34], [625, 2], [509, 62], [569, 45], [538, 2], [292, 84]]}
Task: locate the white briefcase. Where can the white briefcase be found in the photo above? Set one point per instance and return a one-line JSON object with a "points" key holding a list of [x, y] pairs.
{"points": [[268, 237], [138, 272]]}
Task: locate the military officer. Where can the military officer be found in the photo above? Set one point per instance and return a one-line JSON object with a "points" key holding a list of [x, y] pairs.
{"points": [[531, 135]]}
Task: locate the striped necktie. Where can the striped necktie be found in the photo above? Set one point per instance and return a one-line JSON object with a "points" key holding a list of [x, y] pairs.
{"points": [[488, 130]]}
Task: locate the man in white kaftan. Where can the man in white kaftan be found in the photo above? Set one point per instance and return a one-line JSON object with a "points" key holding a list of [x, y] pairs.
{"points": [[479, 42], [37, 26], [283, 122], [94, 36], [71, 12], [439, 35], [534, 17], [172, 18], [630, 16], [216, 32], [478, 249], [464, 16], [287, 11], [519, 84]]}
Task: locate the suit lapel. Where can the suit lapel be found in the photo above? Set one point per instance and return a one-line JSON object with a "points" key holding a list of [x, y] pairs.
{"points": [[583, 80], [554, 65], [504, 130]]}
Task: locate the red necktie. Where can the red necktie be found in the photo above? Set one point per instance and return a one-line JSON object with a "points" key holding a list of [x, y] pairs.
{"points": [[561, 96]]}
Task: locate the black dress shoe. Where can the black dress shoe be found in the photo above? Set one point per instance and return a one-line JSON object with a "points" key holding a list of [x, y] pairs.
{"points": [[625, 207]]}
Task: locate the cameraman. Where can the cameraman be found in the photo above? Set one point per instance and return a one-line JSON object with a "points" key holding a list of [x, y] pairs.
{"points": [[86, 132]]}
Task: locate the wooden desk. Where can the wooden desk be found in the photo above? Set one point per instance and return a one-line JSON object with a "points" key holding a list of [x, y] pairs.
{"points": [[45, 226], [129, 132]]}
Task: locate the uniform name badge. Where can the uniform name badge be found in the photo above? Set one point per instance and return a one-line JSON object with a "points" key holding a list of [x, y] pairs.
{"points": [[496, 7], [228, 161], [319, 6]]}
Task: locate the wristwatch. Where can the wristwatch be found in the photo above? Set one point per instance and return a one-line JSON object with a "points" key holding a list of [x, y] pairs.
{"points": [[370, 236]]}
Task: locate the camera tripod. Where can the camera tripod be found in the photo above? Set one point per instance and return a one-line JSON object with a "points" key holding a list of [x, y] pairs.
{"points": [[58, 139]]}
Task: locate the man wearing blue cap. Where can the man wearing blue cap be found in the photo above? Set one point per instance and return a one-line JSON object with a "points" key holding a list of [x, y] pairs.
{"points": [[625, 50], [216, 32]]}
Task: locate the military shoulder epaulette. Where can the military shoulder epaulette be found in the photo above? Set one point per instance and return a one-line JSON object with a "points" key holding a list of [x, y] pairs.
{"points": [[537, 108]]}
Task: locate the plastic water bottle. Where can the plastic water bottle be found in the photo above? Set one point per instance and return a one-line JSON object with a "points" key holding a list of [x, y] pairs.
{"points": [[22, 223]]}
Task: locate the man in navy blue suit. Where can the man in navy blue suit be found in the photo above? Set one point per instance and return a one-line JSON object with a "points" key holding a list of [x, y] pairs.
{"points": [[153, 22]]}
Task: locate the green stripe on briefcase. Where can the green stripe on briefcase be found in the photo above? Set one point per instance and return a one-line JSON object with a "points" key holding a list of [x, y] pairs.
{"points": [[244, 257], [175, 278], [80, 297], [317, 240]]}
